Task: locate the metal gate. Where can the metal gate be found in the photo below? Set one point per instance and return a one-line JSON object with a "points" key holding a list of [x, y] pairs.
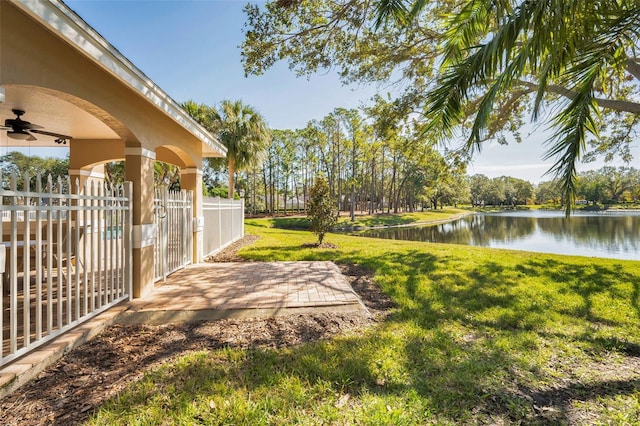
{"points": [[174, 224]]}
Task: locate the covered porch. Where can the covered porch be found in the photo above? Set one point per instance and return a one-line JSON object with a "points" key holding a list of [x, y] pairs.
{"points": [[72, 249]]}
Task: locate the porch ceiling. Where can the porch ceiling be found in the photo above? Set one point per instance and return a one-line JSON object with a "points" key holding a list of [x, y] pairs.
{"points": [[53, 114]]}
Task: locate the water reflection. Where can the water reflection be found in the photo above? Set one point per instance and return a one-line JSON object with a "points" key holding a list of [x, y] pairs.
{"points": [[600, 235]]}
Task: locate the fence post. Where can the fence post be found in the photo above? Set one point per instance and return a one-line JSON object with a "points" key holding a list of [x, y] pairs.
{"points": [[219, 224], [13, 271], [26, 268], [183, 222], [164, 235], [39, 257], [232, 209], [126, 235], [191, 209], [242, 217]]}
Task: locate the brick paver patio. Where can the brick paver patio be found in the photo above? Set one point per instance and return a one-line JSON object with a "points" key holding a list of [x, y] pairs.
{"points": [[208, 292], [223, 290]]}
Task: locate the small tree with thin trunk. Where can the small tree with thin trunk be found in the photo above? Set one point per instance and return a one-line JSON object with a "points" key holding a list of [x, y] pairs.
{"points": [[321, 209]]}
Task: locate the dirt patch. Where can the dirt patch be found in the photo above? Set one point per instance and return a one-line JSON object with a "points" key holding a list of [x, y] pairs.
{"points": [[230, 253], [320, 245], [70, 390]]}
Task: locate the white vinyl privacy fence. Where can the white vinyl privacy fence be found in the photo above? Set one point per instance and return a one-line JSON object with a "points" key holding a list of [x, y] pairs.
{"points": [[223, 223], [64, 257]]}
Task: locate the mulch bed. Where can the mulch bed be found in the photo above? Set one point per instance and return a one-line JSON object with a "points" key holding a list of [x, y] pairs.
{"points": [[70, 390]]}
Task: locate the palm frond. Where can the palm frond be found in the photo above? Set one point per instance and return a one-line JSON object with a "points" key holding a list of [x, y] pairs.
{"points": [[493, 45], [466, 28], [395, 10], [573, 124]]}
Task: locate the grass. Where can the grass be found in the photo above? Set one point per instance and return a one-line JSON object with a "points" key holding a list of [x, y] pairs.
{"points": [[479, 336], [364, 221]]}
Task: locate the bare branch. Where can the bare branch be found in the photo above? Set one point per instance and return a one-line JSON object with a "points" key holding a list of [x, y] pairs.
{"points": [[633, 68], [613, 104]]}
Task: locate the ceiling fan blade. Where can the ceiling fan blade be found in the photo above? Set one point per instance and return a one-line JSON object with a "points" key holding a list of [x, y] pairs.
{"points": [[31, 126], [55, 135], [59, 138], [17, 123]]}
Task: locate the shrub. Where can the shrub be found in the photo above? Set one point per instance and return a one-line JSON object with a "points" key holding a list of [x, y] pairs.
{"points": [[321, 209]]}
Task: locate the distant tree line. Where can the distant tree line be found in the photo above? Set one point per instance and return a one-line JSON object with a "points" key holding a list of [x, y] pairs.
{"points": [[369, 175], [375, 162], [608, 185], [26, 167], [398, 183], [474, 71], [500, 191], [372, 163]]}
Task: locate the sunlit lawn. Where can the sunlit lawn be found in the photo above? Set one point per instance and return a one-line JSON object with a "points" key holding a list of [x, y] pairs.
{"points": [[366, 220], [479, 336]]}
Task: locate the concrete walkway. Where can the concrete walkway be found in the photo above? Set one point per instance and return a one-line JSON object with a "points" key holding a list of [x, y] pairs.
{"points": [[231, 290], [207, 292]]}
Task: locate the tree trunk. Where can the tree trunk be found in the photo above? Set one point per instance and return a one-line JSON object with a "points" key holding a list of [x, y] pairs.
{"points": [[297, 194], [286, 193], [339, 171], [232, 172], [352, 207], [381, 193], [254, 191], [266, 188], [392, 189], [372, 190]]}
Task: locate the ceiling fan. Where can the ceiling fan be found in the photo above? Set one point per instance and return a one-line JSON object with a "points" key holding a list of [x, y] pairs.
{"points": [[19, 129]]}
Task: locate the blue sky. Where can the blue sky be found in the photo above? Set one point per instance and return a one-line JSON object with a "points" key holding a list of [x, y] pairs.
{"points": [[191, 50]]}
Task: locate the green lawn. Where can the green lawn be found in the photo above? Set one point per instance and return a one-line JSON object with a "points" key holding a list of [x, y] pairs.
{"points": [[365, 221], [479, 336]]}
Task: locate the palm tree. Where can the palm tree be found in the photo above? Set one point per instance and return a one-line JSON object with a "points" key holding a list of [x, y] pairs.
{"points": [[498, 52], [241, 129], [244, 133], [203, 114]]}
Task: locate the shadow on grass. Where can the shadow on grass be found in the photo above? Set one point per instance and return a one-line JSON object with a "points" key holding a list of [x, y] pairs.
{"points": [[439, 378], [495, 292], [462, 348], [592, 283]]}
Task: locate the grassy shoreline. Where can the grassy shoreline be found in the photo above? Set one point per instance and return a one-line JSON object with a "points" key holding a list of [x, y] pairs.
{"points": [[362, 222], [479, 336], [392, 220]]}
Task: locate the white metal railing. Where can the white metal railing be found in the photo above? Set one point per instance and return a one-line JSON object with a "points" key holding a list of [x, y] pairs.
{"points": [[174, 224], [223, 223], [6, 215], [68, 262]]}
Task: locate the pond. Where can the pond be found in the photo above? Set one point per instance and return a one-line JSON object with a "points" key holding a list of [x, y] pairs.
{"points": [[609, 234]]}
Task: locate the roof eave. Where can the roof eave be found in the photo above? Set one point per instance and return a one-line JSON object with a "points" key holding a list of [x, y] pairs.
{"points": [[64, 22]]}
